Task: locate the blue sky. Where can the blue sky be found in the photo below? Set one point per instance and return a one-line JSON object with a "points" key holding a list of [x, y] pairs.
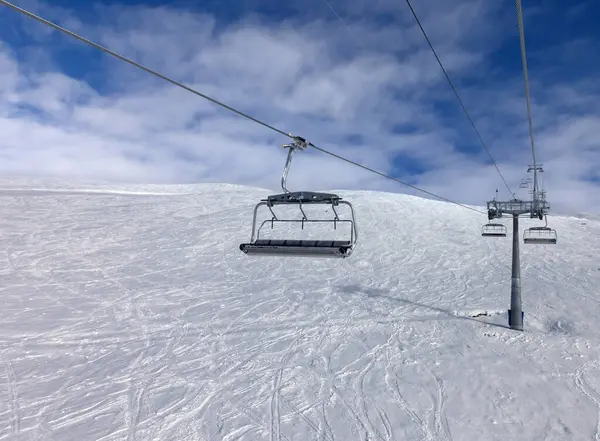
{"points": [[372, 92]]}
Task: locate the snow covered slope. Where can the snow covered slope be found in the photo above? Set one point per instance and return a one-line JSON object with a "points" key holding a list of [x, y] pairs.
{"points": [[128, 313]]}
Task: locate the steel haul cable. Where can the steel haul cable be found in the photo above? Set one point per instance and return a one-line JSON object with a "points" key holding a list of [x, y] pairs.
{"points": [[527, 94], [458, 96]]}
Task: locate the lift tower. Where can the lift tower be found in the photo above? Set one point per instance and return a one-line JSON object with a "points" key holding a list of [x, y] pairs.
{"points": [[537, 207]]}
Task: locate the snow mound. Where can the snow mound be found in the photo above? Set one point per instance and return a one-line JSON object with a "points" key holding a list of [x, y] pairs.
{"points": [[130, 313]]}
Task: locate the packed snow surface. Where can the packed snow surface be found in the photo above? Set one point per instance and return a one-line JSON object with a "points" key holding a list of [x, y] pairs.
{"points": [[129, 313]]}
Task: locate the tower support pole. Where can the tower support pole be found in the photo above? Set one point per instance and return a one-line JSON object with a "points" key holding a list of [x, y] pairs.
{"points": [[515, 313]]}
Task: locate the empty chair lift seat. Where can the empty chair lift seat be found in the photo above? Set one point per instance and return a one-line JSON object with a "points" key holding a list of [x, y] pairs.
{"points": [[493, 230], [303, 247], [540, 235]]}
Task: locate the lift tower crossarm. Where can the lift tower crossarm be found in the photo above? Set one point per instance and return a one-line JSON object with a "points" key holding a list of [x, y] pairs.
{"points": [[517, 207]]}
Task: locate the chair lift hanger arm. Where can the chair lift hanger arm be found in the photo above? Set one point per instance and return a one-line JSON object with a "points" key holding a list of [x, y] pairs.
{"points": [[299, 143]]}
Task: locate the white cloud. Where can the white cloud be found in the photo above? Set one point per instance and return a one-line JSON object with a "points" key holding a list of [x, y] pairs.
{"points": [[312, 77]]}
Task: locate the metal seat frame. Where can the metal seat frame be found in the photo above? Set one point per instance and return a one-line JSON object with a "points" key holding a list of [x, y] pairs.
{"points": [[551, 239], [497, 230], [300, 248]]}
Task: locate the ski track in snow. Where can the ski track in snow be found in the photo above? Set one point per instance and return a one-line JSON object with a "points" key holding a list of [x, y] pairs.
{"points": [[130, 314], [589, 391]]}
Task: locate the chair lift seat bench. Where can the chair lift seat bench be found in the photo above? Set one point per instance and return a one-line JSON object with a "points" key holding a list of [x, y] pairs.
{"points": [[324, 248]]}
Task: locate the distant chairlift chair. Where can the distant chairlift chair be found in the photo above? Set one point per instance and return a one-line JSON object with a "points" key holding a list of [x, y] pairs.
{"points": [[305, 248], [540, 235], [493, 230]]}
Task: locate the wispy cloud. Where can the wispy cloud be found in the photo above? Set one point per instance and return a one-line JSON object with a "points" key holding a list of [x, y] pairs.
{"points": [[374, 94]]}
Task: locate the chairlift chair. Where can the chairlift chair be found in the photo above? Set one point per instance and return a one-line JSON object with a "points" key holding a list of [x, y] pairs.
{"points": [[540, 235], [493, 230], [304, 248]]}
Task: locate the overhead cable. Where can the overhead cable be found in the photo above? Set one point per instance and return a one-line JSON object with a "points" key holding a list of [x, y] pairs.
{"points": [[527, 94], [458, 97], [336, 14]]}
